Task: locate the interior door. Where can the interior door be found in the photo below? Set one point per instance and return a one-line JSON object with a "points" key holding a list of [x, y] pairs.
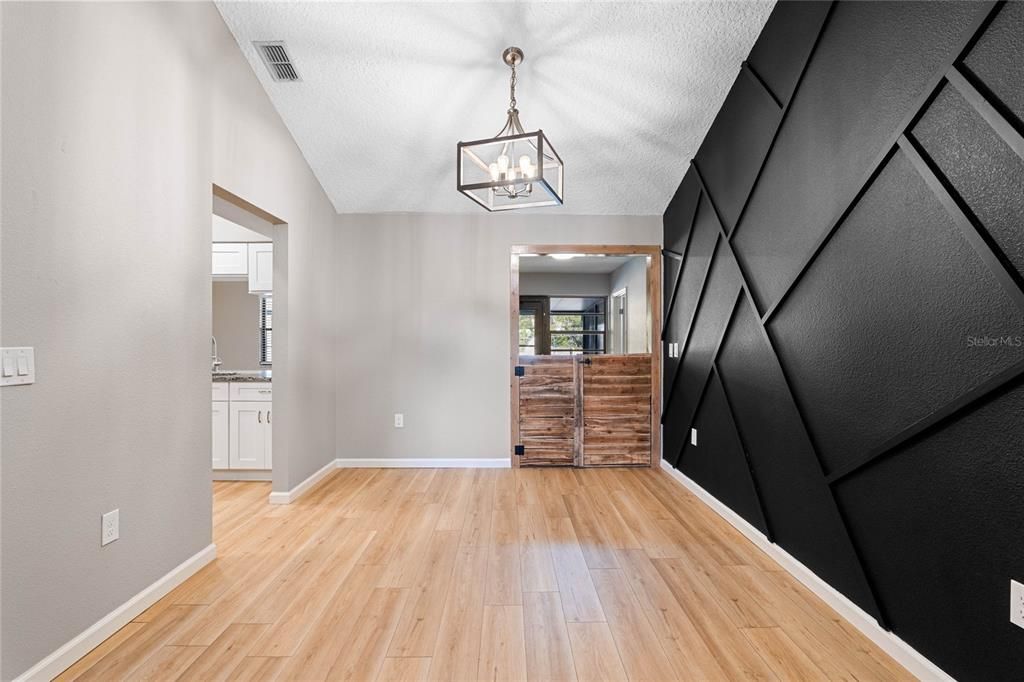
{"points": [[248, 444], [548, 408], [534, 332], [616, 409]]}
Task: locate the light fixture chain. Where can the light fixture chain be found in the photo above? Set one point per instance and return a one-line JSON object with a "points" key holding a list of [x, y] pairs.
{"points": [[512, 90]]}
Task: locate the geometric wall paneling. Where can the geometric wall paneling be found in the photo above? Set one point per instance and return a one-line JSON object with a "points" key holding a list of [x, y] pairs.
{"points": [[1002, 120], [884, 228], [730, 156], [785, 43], [992, 61], [874, 336], [672, 268], [680, 316], [699, 254], [983, 170], [717, 301], [799, 507], [943, 518], [678, 218], [839, 126], [793, 23], [721, 468]]}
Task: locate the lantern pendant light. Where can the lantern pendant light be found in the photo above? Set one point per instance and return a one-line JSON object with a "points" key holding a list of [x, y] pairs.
{"points": [[513, 169]]}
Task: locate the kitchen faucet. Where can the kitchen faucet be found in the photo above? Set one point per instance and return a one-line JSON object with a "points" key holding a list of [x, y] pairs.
{"points": [[214, 358]]}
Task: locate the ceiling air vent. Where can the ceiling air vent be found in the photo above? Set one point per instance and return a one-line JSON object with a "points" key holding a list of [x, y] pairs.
{"points": [[275, 56]]}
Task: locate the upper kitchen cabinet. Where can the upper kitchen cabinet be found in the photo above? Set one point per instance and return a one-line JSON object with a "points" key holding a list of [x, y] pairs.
{"points": [[261, 268], [231, 260]]}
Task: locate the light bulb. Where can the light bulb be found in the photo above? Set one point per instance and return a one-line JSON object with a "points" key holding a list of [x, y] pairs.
{"points": [[503, 163], [524, 165], [495, 173]]}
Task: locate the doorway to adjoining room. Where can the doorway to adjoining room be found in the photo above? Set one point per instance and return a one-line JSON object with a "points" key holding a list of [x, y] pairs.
{"points": [[583, 371]]}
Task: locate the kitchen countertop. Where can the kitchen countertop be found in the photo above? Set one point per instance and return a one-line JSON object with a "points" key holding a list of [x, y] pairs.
{"points": [[242, 376]]}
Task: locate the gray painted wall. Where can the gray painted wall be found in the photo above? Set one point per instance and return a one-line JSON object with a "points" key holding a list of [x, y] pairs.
{"points": [[562, 284], [236, 320], [106, 210], [633, 276], [420, 336]]}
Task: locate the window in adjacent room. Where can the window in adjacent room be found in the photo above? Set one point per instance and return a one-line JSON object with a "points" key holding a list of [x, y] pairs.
{"points": [[266, 315], [577, 325]]}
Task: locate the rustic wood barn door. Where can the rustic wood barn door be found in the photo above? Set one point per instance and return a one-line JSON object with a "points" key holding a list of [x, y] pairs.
{"points": [[547, 410], [584, 410], [616, 410]]}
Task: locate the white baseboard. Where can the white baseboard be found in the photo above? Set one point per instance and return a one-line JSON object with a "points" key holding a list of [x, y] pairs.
{"points": [[424, 463], [903, 653], [299, 490], [386, 463], [61, 659], [242, 475]]}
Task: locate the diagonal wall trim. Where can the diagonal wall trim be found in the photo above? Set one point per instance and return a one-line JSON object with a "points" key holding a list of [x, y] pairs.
{"points": [[934, 420], [1003, 127], [972, 230], [689, 328], [906, 655], [782, 120], [947, 68], [675, 286], [746, 454], [971, 34], [711, 370], [815, 447], [752, 73], [682, 259]]}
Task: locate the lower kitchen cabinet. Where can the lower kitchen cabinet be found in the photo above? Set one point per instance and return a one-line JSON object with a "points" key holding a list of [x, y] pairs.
{"points": [[221, 428], [242, 425], [250, 438]]}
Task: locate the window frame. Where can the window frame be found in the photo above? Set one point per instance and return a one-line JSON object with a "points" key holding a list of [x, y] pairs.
{"points": [[266, 349]]}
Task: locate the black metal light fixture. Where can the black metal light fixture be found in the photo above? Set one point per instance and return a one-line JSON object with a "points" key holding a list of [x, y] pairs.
{"points": [[513, 169]]}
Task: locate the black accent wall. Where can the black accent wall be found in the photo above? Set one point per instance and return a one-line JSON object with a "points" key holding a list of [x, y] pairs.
{"points": [[844, 263]]}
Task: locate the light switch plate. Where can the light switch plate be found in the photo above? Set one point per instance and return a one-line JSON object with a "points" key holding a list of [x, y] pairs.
{"points": [[399, 420], [18, 366], [1017, 603], [110, 527]]}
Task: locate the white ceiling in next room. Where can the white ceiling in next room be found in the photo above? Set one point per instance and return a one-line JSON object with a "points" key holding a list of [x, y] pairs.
{"points": [[624, 91]]}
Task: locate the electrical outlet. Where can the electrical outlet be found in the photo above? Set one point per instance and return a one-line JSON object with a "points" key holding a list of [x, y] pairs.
{"points": [[110, 527], [693, 436], [1017, 603], [399, 420]]}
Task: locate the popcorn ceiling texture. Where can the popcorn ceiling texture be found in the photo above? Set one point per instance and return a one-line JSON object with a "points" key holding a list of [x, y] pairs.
{"points": [[624, 91]]}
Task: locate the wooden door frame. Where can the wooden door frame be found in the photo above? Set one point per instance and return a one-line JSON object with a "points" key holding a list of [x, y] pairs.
{"points": [[654, 288]]}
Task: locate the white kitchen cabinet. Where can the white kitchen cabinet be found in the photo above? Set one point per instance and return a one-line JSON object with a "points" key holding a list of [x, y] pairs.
{"points": [[230, 259], [261, 268], [250, 435], [252, 391], [221, 428]]}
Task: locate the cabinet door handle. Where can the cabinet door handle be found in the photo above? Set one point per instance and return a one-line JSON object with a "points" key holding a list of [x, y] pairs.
{"points": [[268, 416], [259, 416]]}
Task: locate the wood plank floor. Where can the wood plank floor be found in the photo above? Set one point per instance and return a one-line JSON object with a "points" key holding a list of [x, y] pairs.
{"points": [[472, 574]]}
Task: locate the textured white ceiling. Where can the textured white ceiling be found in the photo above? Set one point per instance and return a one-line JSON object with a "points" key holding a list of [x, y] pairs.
{"points": [[624, 91]]}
